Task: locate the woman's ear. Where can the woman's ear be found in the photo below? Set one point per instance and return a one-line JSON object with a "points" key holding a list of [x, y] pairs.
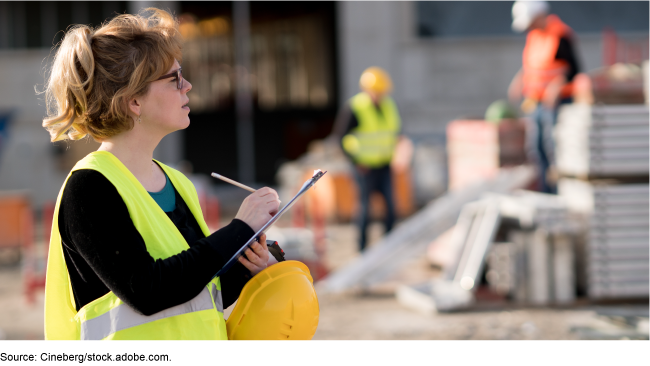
{"points": [[134, 106]]}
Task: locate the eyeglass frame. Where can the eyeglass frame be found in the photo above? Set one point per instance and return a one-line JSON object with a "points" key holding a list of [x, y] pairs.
{"points": [[179, 77]]}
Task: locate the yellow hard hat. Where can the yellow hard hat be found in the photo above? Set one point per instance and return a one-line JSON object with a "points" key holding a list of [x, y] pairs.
{"points": [[278, 303], [377, 80]]}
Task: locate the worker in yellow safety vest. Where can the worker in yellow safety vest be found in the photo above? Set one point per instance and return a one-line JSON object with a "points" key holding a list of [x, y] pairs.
{"points": [[545, 80], [369, 128], [131, 256]]}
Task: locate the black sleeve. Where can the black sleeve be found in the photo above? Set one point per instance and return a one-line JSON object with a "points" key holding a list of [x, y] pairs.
{"points": [[233, 281], [565, 52], [99, 235], [345, 122]]}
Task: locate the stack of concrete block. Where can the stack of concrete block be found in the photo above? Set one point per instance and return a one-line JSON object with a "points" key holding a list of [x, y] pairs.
{"points": [[502, 267], [618, 242], [476, 149], [603, 141], [540, 254], [617, 251], [542, 261], [606, 149]]}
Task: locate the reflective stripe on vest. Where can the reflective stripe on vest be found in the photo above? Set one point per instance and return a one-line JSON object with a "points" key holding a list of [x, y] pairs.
{"points": [[539, 64], [108, 317], [124, 317], [372, 142]]}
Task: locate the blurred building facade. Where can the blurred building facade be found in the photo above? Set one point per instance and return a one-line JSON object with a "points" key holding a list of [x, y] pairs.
{"points": [[447, 60]]}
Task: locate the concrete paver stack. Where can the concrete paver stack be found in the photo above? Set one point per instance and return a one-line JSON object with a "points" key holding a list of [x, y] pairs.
{"points": [[602, 152]]}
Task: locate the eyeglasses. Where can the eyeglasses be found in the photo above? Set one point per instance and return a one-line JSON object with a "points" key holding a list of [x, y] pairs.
{"points": [[179, 77]]}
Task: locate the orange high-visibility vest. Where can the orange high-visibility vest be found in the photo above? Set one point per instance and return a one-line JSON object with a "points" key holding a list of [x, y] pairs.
{"points": [[539, 63]]}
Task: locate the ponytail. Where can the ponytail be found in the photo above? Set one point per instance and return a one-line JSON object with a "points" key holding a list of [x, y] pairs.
{"points": [[70, 83]]}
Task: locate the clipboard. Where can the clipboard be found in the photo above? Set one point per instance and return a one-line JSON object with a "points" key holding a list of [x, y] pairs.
{"points": [[305, 187]]}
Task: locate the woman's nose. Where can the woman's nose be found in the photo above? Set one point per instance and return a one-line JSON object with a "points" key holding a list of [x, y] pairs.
{"points": [[187, 85]]}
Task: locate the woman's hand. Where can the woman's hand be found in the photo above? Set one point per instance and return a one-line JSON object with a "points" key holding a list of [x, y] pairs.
{"points": [[258, 208], [258, 257]]}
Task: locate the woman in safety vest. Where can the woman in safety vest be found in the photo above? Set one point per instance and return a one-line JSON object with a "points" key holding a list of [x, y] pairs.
{"points": [[130, 255]]}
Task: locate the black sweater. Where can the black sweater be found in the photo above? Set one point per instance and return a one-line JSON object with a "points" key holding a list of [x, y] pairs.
{"points": [[104, 251]]}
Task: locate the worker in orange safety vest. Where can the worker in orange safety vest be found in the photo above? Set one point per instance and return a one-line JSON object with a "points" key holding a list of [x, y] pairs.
{"points": [[545, 80]]}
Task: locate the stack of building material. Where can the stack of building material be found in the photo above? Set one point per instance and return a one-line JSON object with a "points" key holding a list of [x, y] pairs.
{"points": [[618, 242], [476, 149], [542, 261], [606, 148], [535, 266], [602, 141], [502, 267], [616, 253]]}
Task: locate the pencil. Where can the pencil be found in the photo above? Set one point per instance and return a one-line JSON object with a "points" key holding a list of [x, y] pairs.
{"points": [[233, 182]]}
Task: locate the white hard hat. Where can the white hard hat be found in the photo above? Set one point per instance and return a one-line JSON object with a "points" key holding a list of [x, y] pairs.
{"points": [[524, 12]]}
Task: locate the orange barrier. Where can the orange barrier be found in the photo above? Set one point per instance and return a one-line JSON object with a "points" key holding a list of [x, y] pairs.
{"points": [[212, 213], [12, 207], [210, 208], [338, 197], [34, 278]]}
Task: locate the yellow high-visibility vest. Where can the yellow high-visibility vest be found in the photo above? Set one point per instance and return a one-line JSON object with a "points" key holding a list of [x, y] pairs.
{"points": [[108, 317], [372, 142]]}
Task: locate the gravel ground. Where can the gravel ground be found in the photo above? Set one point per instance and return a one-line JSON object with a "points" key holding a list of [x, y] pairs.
{"points": [[373, 317]]}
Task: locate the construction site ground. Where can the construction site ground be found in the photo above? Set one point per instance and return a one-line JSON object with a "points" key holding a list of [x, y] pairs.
{"points": [[376, 314]]}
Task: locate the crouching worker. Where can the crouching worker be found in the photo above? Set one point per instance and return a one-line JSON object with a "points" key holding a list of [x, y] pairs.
{"points": [[130, 255]]}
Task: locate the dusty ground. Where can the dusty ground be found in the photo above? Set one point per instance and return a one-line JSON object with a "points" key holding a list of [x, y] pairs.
{"points": [[18, 318], [378, 315]]}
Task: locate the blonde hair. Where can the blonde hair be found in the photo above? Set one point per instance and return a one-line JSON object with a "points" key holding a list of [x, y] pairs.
{"points": [[96, 71]]}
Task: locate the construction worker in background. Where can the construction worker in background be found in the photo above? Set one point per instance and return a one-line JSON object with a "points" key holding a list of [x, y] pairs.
{"points": [[368, 127], [545, 80]]}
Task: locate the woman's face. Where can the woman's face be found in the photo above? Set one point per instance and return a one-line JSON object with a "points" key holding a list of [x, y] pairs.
{"points": [[165, 106]]}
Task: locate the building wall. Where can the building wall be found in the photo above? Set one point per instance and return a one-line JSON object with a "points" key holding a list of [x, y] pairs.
{"points": [[28, 160], [436, 79]]}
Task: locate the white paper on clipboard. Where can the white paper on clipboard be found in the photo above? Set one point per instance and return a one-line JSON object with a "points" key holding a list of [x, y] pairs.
{"points": [[305, 187]]}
